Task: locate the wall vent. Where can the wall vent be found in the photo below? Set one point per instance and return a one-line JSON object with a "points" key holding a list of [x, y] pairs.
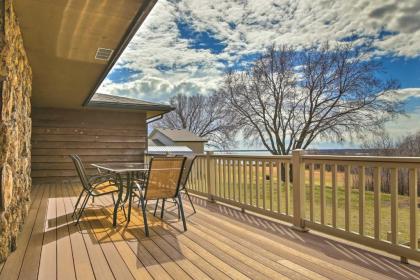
{"points": [[103, 54]]}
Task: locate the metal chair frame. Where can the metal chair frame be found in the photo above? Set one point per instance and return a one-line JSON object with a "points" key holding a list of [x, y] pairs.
{"points": [[89, 185], [183, 187], [143, 196]]}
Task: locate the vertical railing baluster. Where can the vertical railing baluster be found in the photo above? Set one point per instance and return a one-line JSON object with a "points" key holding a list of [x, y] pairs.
{"points": [[264, 177], [229, 185], [362, 200], [234, 165], [210, 176], [394, 206], [377, 173], [271, 185], [219, 188], [198, 174], [347, 195], [412, 180], [311, 192], [334, 195], [195, 174], [240, 171], [287, 186], [322, 192], [257, 180], [205, 180], [245, 168], [224, 176], [202, 168], [220, 177], [251, 181], [278, 186], [298, 190]]}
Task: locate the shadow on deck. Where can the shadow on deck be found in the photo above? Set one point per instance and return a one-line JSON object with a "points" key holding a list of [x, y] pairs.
{"points": [[221, 243]]}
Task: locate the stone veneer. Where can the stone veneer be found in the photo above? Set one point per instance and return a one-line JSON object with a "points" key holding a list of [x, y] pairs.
{"points": [[15, 130]]}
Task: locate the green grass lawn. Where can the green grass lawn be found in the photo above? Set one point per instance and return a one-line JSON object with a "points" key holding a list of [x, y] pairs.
{"points": [[236, 192]]}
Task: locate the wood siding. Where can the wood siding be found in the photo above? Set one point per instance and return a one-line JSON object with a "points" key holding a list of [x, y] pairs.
{"points": [[95, 135]]}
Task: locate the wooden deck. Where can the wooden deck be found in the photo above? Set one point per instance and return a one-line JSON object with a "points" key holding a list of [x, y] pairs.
{"points": [[221, 243]]}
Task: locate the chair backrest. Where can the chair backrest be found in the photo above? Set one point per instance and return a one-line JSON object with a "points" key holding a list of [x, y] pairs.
{"points": [[189, 162], [78, 164], [164, 177]]}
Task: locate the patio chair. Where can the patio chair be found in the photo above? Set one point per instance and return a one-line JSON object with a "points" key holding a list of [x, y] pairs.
{"points": [[189, 162], [162, 182], [93, 186]]}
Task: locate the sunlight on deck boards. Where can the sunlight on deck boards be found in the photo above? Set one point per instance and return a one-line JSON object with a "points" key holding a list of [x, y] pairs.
{"points": [[221, 243]]}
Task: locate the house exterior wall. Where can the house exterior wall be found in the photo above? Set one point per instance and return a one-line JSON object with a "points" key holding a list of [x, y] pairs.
{"points": [[196, 147], [15, 130], [95, 135], [162, 138]]}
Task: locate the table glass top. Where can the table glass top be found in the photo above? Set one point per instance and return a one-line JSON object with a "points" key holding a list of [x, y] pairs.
{"points": [[119, 167]]}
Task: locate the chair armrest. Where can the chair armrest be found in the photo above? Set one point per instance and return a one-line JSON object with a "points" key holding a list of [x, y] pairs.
{"points": [[101, 178]]}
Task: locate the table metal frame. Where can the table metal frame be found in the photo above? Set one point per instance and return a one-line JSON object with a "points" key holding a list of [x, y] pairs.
{"points": [[119, 169]]}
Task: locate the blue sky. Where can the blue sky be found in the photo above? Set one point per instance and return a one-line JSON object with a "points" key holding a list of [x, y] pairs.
{"points": [[185, 45]]}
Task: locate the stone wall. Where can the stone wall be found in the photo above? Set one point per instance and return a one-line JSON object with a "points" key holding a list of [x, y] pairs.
{"points": [[15, 130]]}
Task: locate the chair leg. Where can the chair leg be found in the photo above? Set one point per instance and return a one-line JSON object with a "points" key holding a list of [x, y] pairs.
{"points": [[181, 208], [189, 198], [82, 208], [156, 206], [179, 212], [77, 203], [123, 209], [113, 198], [177, 206], [143, 208], [163, 208]]}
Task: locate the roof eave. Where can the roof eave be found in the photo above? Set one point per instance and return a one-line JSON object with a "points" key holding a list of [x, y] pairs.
{"points": [[131, 31], [190, 141], [114, 105]]}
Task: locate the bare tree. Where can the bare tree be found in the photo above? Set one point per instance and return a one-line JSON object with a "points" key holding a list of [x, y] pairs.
{"points": [[205, 115], [380, 144], [290, 97], [409, 145]]}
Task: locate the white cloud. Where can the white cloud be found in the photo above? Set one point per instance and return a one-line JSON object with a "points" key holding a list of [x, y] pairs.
{"points": [[256, 24], [404, 125], [403, 95]]}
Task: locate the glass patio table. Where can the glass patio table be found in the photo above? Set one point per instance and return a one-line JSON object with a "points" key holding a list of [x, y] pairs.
{"points": [[123, 171]]}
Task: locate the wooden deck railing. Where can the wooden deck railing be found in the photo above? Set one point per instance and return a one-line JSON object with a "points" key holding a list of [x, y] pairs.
{"points": [[352, 197], [249, 182]]}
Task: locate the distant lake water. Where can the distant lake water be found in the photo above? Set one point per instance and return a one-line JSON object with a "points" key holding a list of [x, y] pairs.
{"points": [[244, 152], [309, 151]]}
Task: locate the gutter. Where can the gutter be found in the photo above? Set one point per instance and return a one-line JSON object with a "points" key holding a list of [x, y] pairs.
{"points": [[155, 118], [145, 107]]}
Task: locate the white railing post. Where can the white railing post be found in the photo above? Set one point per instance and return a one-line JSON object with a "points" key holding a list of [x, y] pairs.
{"points": [[210, 176], [298, 167]]}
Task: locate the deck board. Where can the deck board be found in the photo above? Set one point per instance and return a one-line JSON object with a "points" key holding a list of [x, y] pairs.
{"points": [[48, 262], [65, 264], [11, 267], [221, 243], [30, 263], [82, 264], [97, 258]]}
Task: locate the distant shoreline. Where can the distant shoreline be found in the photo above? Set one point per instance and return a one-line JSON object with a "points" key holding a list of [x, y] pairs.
{"points": [[339, 151]]}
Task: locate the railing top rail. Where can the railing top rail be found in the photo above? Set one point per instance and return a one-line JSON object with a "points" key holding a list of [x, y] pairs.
{"points": [[271, 157], [379, 159]]}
